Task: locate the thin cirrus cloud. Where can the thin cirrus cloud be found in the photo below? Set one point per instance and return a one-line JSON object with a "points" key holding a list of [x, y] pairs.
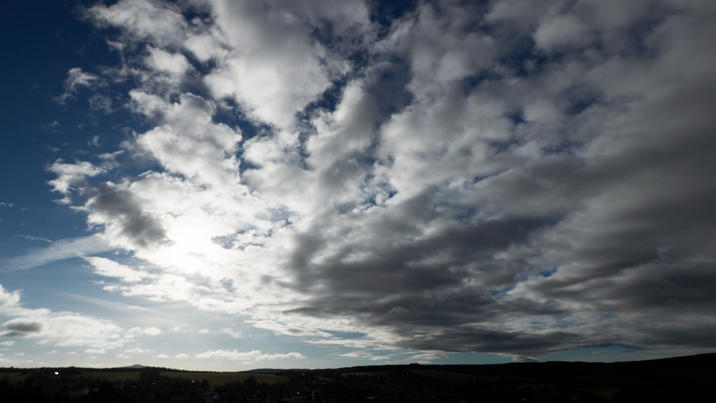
{"points": [[461, 178]]}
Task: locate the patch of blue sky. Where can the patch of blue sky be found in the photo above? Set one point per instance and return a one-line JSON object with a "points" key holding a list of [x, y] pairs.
{"points": [[345, 335], [547, 272], [502, 291], [385, 12], [522, 59], [42, 286]]}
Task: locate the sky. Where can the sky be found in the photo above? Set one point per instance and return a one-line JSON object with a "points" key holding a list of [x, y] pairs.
{"points": [[219, 184]]}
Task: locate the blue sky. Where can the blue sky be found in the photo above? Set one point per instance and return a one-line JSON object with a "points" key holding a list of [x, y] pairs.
{"points": [[210, 184]]}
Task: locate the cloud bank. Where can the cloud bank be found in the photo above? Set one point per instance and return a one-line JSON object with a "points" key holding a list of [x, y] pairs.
{"points": [[58, 328], [448, 177]]}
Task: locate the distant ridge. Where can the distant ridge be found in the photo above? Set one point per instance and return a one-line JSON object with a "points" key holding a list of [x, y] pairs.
{"points": [[134, 366], [689, 361]]}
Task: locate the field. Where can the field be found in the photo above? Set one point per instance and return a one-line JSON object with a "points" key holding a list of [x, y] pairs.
{"points": [[12, 377], [222, 378]]}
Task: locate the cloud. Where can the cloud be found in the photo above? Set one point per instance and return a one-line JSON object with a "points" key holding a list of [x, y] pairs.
{"points": [[76, 78], [248, 357], [189, 143], [426, 357], [109, 268], [9, 299], [364, 355], [561, 31], [71, 177], [149, 331], [58, 250], [61, 328], [100, 103], [114, 207], [232, 333], [142, 19], [18, 328], [152, 331], [267, 39], [465, 178], [95, 351], [34, 238], [160, 60]]}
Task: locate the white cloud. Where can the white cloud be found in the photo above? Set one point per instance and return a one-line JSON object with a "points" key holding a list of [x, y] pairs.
{"points": [[181, 356], [364, 355], [190, 144], [426, 357], [95, 351], [275, 68], [59, 250], [152, 331], [63, 329], [109, 268], [9, 300], [76, 78], [160, 22], [171, 63], [205, 46], [248, 357], [232, 333], [71, 176], [149, 331]]}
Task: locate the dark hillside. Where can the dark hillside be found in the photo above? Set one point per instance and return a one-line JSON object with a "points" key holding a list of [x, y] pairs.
{"points": [[672, 379]]}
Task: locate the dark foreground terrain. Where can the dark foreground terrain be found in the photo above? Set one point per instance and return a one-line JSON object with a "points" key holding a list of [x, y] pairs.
{"points": [[674, 379]]}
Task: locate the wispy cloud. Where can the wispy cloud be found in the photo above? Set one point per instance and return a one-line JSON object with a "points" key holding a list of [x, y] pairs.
{"points": [[58, 250], [76, 78]]}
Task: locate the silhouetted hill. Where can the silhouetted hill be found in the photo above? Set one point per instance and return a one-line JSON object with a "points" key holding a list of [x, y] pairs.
{"points": [[670, 379]]}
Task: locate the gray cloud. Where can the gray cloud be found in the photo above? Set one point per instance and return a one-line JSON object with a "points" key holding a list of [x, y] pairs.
{"points": [[20, 329], [614, 194], [124, 212], [482, 177]]}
